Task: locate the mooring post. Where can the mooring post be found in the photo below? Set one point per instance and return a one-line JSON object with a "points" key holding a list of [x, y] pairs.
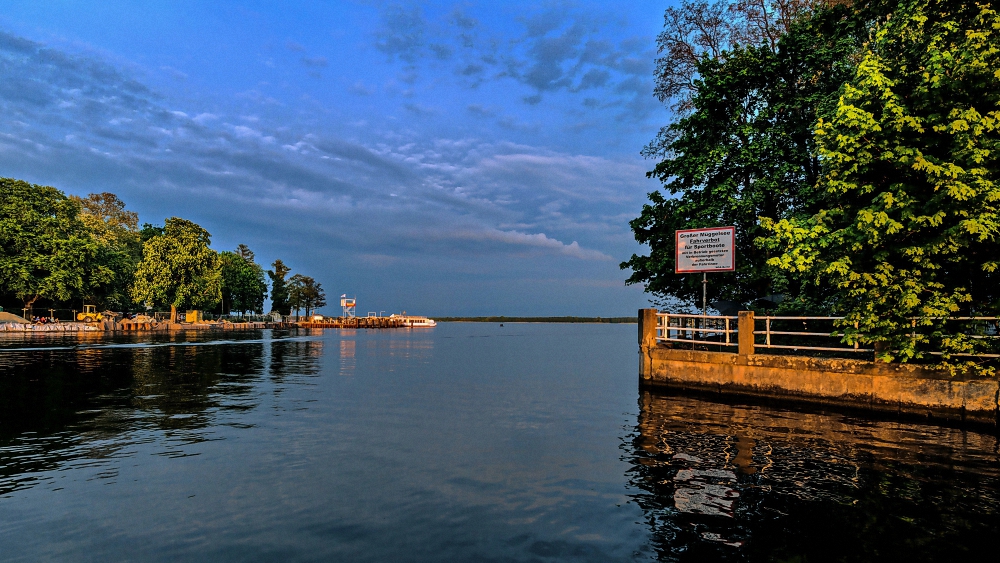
{"points": [[744, 327], [647, 341]]}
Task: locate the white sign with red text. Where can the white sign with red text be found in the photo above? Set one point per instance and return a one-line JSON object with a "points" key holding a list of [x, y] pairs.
{"points": [[705, 250]]}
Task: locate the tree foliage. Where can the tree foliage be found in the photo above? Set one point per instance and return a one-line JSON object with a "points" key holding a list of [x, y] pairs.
{"points": [[244, 252], [149, 231], [178, 269], [305, 293], [909, 223], [279, 287], [119, 246], [243, 286], [106, 217], [743, 147], [46, 250], [57, 249], [696, 30]]}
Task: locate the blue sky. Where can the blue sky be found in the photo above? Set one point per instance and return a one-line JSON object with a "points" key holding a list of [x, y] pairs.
{"points": [[447, 158]]}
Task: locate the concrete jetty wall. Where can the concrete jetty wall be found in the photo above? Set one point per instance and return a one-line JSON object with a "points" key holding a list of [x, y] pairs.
{"points": [[109, 325], [356, 322], [54, 327], [901, 388]]}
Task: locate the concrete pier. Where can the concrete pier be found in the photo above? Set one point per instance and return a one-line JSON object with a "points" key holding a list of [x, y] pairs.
{"points": [[355, 322], [109, 325], [901, 388]]}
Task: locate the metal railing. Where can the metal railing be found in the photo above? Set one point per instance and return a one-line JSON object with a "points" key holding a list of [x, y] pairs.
{"points": [[51, 314], [975, 337], [769, 333], [696, 329], [991, 330], [238, 318]]}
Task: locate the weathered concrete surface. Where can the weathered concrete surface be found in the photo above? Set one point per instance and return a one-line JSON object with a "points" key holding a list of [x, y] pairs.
{"points": [[857, 383], [852, 382], [53, 327]]}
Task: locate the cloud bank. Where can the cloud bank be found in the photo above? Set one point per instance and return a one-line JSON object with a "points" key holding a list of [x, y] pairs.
{"points": [[352, 197]]}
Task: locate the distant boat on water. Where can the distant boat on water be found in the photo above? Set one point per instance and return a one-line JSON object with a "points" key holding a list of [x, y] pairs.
{"points": [[414, 321]]}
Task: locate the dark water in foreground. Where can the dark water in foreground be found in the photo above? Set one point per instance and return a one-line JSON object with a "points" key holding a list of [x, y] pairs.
{"points": [[468, 442]]}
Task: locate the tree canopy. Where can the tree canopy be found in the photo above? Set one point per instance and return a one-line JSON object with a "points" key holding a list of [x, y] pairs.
{"points": [[305, 293], [279, 287], [119, 246], [46, 250], [853, 146], [178, 268], [58, 250], [243, 286], [911, 211], [743, 146]]}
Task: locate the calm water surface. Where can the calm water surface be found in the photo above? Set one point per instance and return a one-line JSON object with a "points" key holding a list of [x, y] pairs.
{"points": [[467, 442]]}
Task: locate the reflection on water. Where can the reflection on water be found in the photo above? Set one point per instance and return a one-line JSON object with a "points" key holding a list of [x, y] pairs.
{"points": [[442, 445], [469, 442], [347, 362], [64, 401], [731, 482]]}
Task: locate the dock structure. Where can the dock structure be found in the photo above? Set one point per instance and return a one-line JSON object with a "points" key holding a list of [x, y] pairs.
{"points": [[132, 325], [356, 322], [732, 355], [144, 323]]}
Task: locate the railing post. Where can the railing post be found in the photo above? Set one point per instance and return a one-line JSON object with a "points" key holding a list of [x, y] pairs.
{"points": [[647, 328], [647, 341], [744, 327]]}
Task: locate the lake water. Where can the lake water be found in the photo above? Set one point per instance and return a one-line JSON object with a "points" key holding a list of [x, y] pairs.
{"points": [[466, 442]]}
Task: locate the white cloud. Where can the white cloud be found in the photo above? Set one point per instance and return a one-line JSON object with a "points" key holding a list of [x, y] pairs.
{"points": [[539, 240], [203, 118], [386, 193]]}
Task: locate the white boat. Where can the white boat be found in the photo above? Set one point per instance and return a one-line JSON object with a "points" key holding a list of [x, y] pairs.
{"points": [[414, 321]]}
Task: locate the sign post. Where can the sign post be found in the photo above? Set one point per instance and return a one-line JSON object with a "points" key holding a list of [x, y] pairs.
{"points": [[705, 250]]}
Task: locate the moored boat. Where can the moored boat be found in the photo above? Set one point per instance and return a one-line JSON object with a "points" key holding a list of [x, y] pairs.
{"points": [[414, 321]]}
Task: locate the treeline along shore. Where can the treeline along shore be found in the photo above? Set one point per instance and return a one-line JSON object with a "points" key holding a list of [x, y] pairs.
{"points": [[59, 253]]}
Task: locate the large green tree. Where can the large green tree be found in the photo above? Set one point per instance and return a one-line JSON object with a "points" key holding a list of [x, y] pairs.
{"points": [[911, 179], [279, 287], [178, 269], [243, 286], [747, 89], [305, 293], [46, 250], [119, 246]]}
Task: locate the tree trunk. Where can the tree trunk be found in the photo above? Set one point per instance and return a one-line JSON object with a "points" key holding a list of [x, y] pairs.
{"points": [[27, 306], [173, 314]]}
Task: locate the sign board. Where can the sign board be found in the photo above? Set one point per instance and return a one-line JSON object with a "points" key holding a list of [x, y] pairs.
{"points": [[705, 250]]}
